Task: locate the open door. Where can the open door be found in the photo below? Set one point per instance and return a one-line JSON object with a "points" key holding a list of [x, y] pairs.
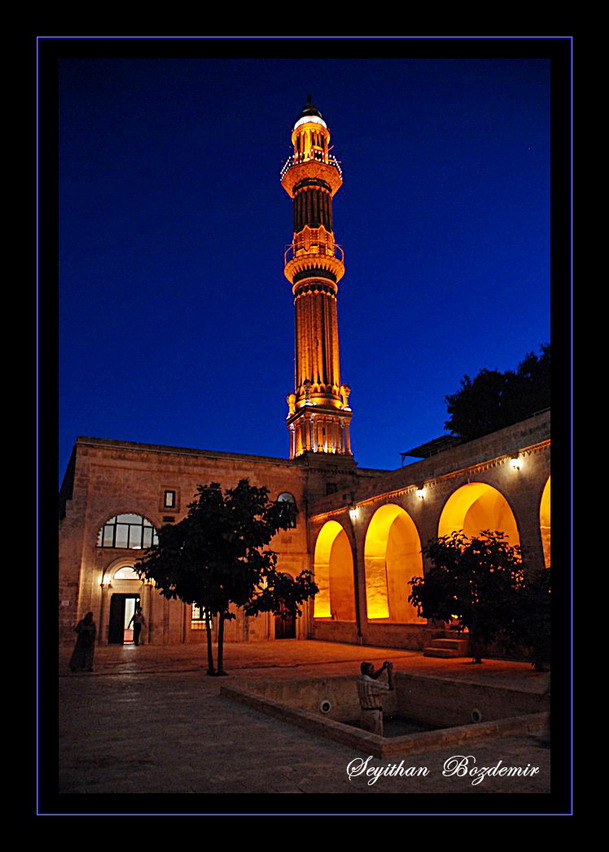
{"points": [[122, 608]]}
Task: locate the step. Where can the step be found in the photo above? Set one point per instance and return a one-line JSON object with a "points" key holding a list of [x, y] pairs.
{"points": [[449, 643], [447, 648], [441, 652]]}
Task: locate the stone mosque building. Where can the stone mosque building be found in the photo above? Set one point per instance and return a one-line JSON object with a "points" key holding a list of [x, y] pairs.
{"points": [[360, 530]]}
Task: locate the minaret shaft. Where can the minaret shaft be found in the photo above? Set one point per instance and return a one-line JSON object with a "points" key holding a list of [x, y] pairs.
{"points": [[319, 413]]}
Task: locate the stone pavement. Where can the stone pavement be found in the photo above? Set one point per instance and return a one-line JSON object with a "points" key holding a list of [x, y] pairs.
{"points": [[149, 721]]}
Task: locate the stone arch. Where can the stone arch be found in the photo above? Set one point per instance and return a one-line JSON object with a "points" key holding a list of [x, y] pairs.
{"points": [[392, 557], [333, 570], [544, 523], [119, 567], [475, 507]]}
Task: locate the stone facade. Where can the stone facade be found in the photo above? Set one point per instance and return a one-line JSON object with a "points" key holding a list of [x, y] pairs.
{"points": [[106, 479], [374, 522]]}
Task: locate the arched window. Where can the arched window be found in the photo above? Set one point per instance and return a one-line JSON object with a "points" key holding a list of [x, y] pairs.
{"points": [[126, 573], [286, 497], [128, 531]]}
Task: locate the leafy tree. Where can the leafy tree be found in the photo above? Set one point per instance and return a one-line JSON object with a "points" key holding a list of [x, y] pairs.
{"points": [[476, 581], [217, 558], [534, 614], [493, 400]]}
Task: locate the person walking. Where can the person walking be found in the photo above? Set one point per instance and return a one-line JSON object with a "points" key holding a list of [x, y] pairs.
{"points": [[139, 622]]}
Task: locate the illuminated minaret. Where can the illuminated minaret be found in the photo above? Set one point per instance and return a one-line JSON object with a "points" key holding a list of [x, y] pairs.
{"points": [[319, 413]]}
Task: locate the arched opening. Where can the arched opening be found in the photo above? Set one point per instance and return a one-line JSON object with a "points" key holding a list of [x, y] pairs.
{"points": [[128, 531], [333, 569], [392, 557], [544, 523], [287, 497], [475, 507], [127, 572], [121, 596], [285, 624]]}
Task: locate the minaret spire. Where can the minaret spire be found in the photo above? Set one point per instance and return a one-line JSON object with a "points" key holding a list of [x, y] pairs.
{"points": [[318, 410]]}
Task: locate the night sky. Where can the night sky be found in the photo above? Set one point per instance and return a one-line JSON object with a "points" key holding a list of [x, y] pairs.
{"points": [[176, 322]]}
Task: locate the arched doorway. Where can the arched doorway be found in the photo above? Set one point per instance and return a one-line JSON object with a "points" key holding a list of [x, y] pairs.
{"points": [[124, 585], [392, 557], [475, 507], [544, 524], [333, 569]]}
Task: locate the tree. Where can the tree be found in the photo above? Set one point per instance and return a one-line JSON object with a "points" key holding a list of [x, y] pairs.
{"points": [[493, 400], [217, 558], [534, 616], [476, 581]]}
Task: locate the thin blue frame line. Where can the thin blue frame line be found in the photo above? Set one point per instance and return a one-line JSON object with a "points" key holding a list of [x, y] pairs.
{"points": [[38, 39], [334, 37], [37, 273]]}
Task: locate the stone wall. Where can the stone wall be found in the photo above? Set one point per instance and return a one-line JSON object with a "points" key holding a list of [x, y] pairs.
{"points": [[485, 462], [111, 478]]}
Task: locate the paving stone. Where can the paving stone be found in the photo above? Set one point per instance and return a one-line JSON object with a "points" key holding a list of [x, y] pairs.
{"points": [[164, 728]]}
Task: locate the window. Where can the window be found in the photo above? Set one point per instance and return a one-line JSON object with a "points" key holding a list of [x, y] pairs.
{"points": [[199, 617], [287, 498], [126, 573], [127, 531], [169, 501]]}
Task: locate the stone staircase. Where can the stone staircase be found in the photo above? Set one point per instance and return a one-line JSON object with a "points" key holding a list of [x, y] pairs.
{"points": [[447, 648]]}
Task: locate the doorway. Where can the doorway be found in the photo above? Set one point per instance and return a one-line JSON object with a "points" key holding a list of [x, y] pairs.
{"points": [[285, 626], [122, 609]]}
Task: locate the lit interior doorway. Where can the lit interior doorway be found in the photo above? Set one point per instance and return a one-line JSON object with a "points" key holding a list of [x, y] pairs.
{"points": [[122, 610]]}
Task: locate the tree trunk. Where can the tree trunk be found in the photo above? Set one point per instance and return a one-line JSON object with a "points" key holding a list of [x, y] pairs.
{"points": [[221, 645], [210, 648], [474, 647]]}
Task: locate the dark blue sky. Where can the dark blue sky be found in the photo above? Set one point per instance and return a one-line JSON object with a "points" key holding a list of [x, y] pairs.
{"points": [[176, 322]]}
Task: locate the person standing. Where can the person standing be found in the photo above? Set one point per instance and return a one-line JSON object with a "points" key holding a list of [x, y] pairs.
{"points": [[82, 656], [139, 622], [371, 693]]}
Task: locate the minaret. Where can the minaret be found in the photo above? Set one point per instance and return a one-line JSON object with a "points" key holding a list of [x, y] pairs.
{"points": [[319, 412]]}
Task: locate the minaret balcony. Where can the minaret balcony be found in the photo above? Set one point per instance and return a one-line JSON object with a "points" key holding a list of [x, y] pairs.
{"points": [[318, 155], [315, 164], [313, 249], [317, 259]]}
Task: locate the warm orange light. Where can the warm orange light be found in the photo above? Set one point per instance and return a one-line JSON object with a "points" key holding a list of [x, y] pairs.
{"points": [[333, 570], [392, 556], [475, 507], [544, 523]]}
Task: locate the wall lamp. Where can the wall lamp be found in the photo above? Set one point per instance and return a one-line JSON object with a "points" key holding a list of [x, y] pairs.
{"points": [[353, 513], [420, 492], [515, 462]]}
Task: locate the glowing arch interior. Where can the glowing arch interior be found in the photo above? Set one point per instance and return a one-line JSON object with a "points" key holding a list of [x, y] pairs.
{"points": [[392, 557], [475, 507], [333, 567], [544, 523]]}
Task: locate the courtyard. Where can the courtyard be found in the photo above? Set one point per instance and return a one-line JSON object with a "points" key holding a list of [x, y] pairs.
{"points": [[149, 721]]}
